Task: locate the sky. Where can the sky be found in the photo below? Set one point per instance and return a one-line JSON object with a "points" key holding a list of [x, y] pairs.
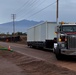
{"points": [[37, 10]]}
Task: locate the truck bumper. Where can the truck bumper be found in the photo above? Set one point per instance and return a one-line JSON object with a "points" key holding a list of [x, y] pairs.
{"points": [[65, 51], [68, 51]]}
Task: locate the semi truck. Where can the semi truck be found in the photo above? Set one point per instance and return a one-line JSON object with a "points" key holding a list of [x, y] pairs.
{"points": [[61, 38]]}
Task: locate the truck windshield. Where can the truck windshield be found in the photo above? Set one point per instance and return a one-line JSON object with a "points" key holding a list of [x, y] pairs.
{"points": [[68, 28]]}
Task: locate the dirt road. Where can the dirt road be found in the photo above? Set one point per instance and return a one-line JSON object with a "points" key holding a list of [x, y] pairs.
{"points": [[13, 63], [8, 68], [41, 55]]}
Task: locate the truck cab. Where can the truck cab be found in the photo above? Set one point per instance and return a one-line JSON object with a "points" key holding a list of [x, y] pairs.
{"points": [[66, 40]]}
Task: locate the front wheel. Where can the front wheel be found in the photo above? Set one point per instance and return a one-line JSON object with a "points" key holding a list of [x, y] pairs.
{"points": [[57, 52]]}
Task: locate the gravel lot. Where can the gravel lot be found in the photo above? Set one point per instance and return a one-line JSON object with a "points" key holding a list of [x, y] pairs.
{"points": [[30, 66]]}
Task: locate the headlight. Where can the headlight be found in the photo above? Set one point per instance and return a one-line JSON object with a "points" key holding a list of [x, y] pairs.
{"points": [[62, 38], [59, 40]]}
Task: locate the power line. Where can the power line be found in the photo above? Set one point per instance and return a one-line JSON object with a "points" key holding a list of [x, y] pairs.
{"points": [[19, 9], [42, 9], [34, 8], [27, 7], [37, 6]]}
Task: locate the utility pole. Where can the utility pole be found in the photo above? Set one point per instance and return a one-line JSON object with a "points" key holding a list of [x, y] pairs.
{"points": [[57, 11], [13, 17]]}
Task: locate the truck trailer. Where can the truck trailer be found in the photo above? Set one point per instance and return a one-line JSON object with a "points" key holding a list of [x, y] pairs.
{"points": [[61, 38], [42, 35]]}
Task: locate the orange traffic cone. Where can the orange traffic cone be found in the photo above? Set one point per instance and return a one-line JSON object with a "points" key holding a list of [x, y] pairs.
{"points": [[9, 48]]}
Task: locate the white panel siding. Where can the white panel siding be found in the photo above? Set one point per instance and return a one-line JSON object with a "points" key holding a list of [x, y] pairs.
{"points": [[30, 34], [42, 32], [51, 30], [37, 33]]}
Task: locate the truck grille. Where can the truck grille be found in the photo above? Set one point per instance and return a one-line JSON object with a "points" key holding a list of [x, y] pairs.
{"points": [[71, 41]]}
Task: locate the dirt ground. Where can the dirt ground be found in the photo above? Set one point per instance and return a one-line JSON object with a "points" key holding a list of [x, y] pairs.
{"points": [[33, 66]]}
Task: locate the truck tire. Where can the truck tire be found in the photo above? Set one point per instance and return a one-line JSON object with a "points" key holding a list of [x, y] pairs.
{"points": [[57, 52]]}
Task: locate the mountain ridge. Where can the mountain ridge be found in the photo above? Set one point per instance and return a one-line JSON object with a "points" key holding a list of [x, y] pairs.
{"points": [[20, 26]]}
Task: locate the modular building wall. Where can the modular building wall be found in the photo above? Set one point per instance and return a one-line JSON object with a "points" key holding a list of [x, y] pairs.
{"points": [[42, 32]]}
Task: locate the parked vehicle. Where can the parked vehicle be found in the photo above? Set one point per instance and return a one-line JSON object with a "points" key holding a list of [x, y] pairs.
{"points": [[61, 38], [42, 35], [66, 40]]}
